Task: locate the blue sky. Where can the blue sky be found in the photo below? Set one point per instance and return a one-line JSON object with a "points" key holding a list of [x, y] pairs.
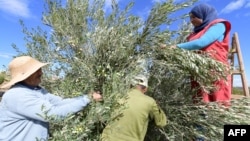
{"points": [[30, 11]]}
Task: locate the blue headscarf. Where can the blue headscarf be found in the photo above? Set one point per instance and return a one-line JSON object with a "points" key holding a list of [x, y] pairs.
{"points": [[205, 12]]}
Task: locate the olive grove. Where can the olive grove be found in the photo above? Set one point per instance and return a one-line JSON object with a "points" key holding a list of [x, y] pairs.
{"points": [[90, 48]]}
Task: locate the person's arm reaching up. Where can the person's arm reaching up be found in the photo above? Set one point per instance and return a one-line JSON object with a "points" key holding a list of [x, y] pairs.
{"points": [[215, 32]]}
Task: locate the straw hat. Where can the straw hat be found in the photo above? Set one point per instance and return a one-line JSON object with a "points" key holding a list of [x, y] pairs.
{"points": [[21, 68]]}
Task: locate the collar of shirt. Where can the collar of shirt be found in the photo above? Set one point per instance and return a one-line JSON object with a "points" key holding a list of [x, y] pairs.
{"points": [[30, 87]]}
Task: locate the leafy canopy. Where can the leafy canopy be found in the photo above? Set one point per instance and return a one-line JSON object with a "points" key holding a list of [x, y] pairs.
{"points": [[93, 49]]}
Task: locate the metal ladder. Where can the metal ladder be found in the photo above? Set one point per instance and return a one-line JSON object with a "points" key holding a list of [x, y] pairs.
{"points": [[237, 70]]}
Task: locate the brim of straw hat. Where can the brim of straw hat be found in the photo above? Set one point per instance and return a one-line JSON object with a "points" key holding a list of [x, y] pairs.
{"points": [[23, 76]]}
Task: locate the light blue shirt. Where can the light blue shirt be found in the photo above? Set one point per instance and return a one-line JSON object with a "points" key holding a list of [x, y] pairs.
{"points": [[21, 112], [215, 32]]}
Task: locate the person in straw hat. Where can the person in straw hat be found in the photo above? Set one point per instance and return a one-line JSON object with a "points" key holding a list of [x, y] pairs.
{"points": [[24, 104], [140, 109]]}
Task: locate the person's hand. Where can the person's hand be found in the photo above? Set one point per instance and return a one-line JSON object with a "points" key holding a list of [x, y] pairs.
{"points": [[162, 46], [173, 46], [97, 96]]}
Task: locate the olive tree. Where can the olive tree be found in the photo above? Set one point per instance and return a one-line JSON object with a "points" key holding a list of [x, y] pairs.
{"points": [[91, 49]]}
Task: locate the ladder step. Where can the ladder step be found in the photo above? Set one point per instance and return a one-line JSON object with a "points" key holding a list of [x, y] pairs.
{"points": [[236, 72], [233, 50]]}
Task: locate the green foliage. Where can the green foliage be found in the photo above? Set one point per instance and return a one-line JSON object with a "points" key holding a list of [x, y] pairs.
{"points": [[237, 91], [92, 49], [2, 78]]}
